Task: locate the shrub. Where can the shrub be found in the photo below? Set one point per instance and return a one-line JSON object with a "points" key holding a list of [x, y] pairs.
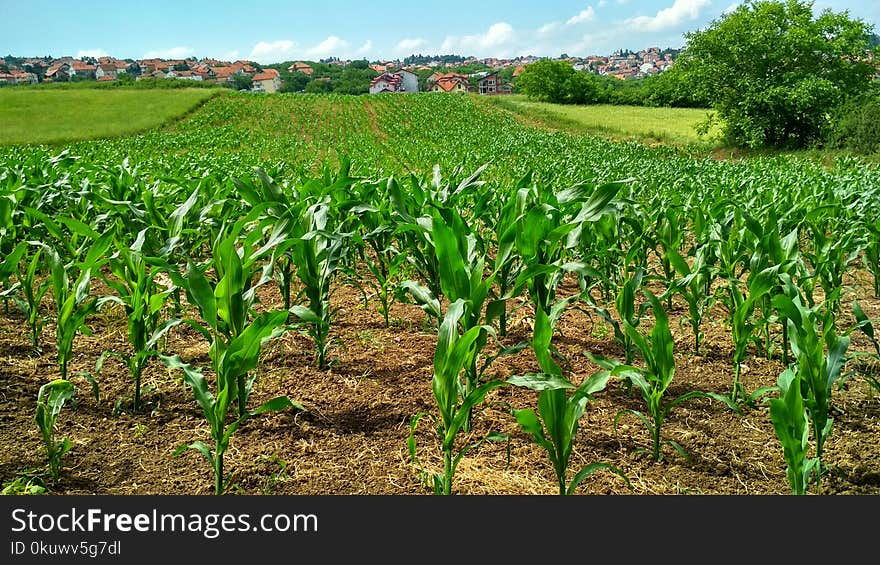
{"points": [[857, 124]]}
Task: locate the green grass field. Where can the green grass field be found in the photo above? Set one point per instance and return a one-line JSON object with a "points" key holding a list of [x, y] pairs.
{"points": [[677, 126], [35, 116]]}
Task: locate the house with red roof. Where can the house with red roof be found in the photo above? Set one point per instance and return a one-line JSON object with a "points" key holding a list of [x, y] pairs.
{"points": [[184, 75], [106, 69], [58, 72], [448, 82], [82, 69], [300, 67], [400, 81], [268, 81], [18, 77]]}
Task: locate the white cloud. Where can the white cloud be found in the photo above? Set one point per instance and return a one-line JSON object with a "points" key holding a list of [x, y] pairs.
{"points": [[548, 29], [269, 52], [602, 3], [94, 53], [409, 45], [365, 48], [586, 15], [331, 47], [173, 53], [679, 12], [494, 42]]}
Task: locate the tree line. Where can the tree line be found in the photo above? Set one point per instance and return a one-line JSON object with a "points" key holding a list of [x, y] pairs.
{"points": [[774, 73]]}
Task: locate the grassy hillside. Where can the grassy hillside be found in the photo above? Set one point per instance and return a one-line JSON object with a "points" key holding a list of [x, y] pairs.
{"points": [[677, 126], [53, 116]]}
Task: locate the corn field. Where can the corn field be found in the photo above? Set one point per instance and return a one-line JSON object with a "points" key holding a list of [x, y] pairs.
{"points": [[319, 294]]}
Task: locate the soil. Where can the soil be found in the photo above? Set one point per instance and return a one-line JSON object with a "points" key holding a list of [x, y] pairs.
{"points": [[352, 437]]}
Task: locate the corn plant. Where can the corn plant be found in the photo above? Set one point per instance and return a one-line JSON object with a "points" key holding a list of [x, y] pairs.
{"points": [[50, 400], [555, 426], [627, 310], [409, 206], [549, 229], [669, 237], [691, 285], [70, 236], [9, 266], [28, 291], [829, 257], [318, 255], [462, 277], [450, 358], [507, 265], [226, 305], [654, 379], [230, 361], [790, 421], [872, 253], [375, 242], [743, 326], [865, 325], [820, 355], [73, 302], [285, 205], [143, 299], [783, 253]]}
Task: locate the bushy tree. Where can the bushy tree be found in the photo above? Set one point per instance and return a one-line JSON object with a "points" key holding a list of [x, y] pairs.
{"points": [[293, 82], [774, 71], [558, 82], [354, 80], [857, 123], [241, 82], [319, 87], [671, 88], [545, 80]]}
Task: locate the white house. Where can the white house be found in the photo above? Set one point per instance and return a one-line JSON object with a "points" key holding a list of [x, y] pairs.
{"points": [[400, 81], [184, 75], [105, 69], [410, 81]]}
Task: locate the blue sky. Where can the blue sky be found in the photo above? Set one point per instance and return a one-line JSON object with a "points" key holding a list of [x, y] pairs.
{"points": [[270, 31]]}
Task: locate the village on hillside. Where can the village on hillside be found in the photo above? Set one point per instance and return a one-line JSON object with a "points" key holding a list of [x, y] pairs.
{"points": [[487, 76]]}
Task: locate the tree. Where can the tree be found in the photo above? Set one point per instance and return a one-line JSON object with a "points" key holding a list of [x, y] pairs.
{"points": [[774, 72], [354, 80], [545, 80], [241, 82], [319, 87], [582, 87], [671, 88], [558, 82], [293, 82]]}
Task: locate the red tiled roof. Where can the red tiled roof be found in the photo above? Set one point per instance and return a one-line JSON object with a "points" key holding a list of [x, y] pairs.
{"points": [[225, 72], [448, 84], [267, 74], [391, 79]]}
